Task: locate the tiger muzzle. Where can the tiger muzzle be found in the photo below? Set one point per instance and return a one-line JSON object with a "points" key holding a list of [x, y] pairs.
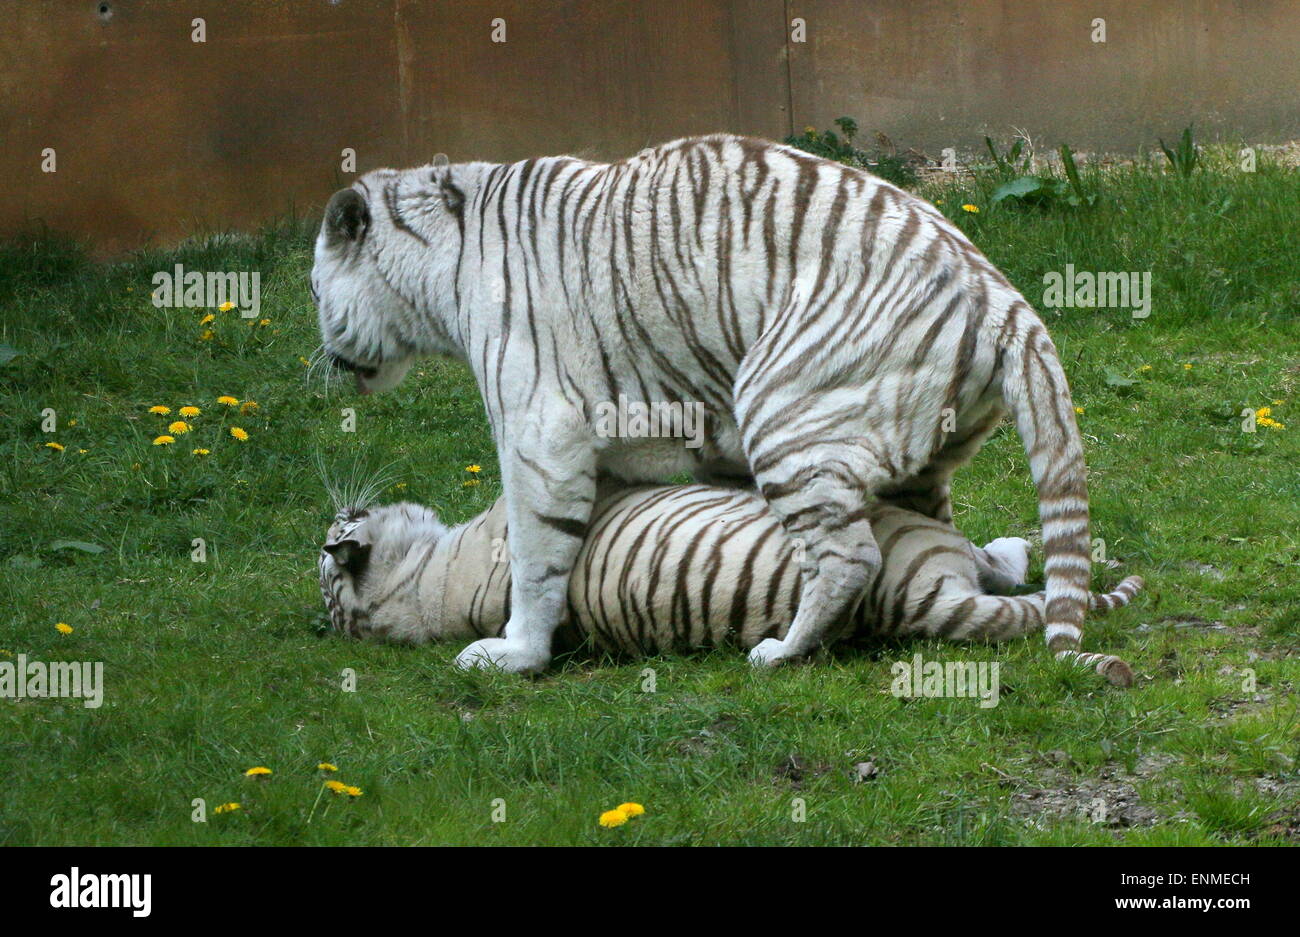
{"points": [[359, 371]]}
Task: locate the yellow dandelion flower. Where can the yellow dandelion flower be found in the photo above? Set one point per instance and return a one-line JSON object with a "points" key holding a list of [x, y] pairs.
{"points": [[82, 451], [1263, 411], [190, 411], [1145, 367], [338, 787], [938, 201], [210, 317], [263, 321], [469, 483], [1187, 367], [239, 434], [135, 466], [5, 652], [973, 209], [248, 406], [200, 452], [400, 486], [631, 809], [225, 808], [63, 628], [1278, 403], [160, 410], [226, 306], [228, 401], [130, 289], [72, 422], [207, 335], [56, 446], [179, 428], [352, 791], [257, 772], [326, 766], [474, 468], [613, 818], [304, 362], [164, 440], [1079, 410]]}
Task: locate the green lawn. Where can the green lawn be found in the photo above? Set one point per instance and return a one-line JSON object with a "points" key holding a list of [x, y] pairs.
{"points": [[213, 668]]}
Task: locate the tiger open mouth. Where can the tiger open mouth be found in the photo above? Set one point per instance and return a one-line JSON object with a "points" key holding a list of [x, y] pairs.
{"points": [[361, 372]]}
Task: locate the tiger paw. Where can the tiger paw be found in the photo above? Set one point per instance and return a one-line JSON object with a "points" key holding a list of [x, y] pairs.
{"points": [[1012, 555], [769, 652], [501, 654]]}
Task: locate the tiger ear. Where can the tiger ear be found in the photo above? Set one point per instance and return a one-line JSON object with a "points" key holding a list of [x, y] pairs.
{"points": [[440, 176], [347, 218], [350, 554]]}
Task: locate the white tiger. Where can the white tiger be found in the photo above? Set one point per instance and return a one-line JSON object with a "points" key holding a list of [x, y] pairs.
{"points": [[845, 341], [669, 569]]}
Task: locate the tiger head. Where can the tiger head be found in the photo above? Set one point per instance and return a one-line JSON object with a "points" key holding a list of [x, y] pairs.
{"points": [[383, 278], [370, 567]]}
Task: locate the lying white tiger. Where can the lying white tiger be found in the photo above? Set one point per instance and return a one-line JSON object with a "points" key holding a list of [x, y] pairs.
{"points": [[670, 568]]}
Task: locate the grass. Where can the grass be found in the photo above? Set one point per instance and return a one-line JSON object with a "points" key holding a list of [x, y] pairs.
{"points": [[215, 667]]}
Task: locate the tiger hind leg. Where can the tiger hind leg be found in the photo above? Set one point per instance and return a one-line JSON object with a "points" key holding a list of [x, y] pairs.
{"points": [[821, 493]]}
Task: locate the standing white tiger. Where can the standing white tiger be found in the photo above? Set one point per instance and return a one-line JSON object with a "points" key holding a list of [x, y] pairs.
{"points": [[846, 341]]}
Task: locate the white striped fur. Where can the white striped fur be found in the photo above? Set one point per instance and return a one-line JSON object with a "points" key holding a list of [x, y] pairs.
{"points": [[847, 342], [670, 568]]}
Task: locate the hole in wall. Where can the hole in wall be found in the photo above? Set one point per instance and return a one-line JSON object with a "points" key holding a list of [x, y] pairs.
{"points": [[105, 11]]}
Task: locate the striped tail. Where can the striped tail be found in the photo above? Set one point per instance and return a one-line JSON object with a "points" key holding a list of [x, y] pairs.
{"points": [[1035, 391], [1123, 594], [1003, 617]]}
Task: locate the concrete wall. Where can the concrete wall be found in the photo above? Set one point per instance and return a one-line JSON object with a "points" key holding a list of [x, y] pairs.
{"points": [[157, 136]]}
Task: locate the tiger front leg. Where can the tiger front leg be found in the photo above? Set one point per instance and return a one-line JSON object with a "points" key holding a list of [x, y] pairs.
{"points": [[549, 474]]}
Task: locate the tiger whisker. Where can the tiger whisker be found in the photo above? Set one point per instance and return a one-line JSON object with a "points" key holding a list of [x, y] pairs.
{"points": [[359, 487]]}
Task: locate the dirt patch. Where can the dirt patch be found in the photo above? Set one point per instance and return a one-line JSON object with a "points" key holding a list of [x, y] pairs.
{"points": [[1283, 823], [1110, 798], [1233, 707], [1182, 623], [1236, 705], [705, 740], [794, 770]]}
